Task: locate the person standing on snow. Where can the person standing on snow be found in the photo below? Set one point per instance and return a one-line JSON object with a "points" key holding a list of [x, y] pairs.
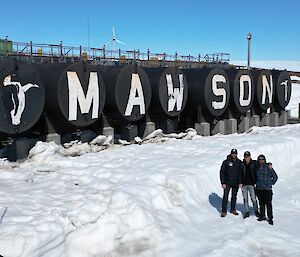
{"points": [[265, 178], [231, 175], [249, 181]]}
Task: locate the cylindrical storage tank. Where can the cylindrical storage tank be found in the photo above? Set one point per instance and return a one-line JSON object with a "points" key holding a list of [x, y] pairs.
{"points": [[264, 89], [283, 89], [22, 96], [169, 92], [75, 94], [209, 89], [241, 90], [128, 93]]}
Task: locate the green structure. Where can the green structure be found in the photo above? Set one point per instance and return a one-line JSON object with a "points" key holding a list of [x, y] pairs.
{"points": [[5, 47]]}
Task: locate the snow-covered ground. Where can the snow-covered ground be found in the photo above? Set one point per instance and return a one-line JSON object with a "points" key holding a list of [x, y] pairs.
{"points": [[160, 197], [155, 199]]}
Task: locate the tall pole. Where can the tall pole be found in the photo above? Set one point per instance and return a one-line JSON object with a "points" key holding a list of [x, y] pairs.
{"points": [[249, 40]]}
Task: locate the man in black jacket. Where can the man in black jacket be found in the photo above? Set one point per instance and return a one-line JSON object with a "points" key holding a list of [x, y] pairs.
{"points": [[249, 181], [231, 175]]}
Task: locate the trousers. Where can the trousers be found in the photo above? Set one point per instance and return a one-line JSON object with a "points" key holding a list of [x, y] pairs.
{"points": [[250, 189], [234, 191], [265, 201]]}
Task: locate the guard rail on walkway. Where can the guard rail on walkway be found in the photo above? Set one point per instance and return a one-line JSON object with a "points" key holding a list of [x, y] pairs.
{"points": [[62, 53]]}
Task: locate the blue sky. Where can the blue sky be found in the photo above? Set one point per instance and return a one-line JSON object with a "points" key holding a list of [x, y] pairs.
{"points": [[188, 27]]}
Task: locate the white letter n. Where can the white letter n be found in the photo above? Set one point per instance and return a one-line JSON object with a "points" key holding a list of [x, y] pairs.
{"points": [[267, 87]]}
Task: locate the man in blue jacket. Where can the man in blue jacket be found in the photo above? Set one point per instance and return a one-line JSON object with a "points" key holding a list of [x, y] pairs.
{"points": [[231, 175], [265, 178]]}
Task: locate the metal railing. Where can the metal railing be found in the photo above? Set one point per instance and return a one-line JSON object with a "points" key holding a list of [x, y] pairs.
{"points": [[62, 53]]}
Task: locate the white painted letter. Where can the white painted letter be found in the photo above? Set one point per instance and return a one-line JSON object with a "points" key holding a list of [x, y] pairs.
{"points": [[136, 89], [175, 94], [218, 91], [267, 87], [76, 93], [243, 79], [285, 84]]}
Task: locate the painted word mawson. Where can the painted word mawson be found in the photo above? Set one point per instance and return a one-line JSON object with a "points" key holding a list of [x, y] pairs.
{"points": [[65, 97]]}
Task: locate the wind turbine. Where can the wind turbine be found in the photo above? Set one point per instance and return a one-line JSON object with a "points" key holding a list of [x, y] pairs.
{"points": [[114, 40]]}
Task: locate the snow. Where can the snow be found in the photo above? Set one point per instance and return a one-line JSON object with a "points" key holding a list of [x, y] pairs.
{"points": [[147, 199]]}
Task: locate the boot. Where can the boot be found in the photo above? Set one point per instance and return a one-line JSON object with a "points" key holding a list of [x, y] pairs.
{"points": [[271, 222], [223, 214], [257, 214], [234, 212], [246, 215], [261, 218]]}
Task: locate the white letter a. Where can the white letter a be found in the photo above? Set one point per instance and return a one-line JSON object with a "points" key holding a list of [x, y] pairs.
{"points": [[136, 96]]}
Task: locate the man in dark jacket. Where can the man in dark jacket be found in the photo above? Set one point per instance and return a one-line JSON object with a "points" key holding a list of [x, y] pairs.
{"points": [[265, 178], [249, 181], [231, 175]]}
